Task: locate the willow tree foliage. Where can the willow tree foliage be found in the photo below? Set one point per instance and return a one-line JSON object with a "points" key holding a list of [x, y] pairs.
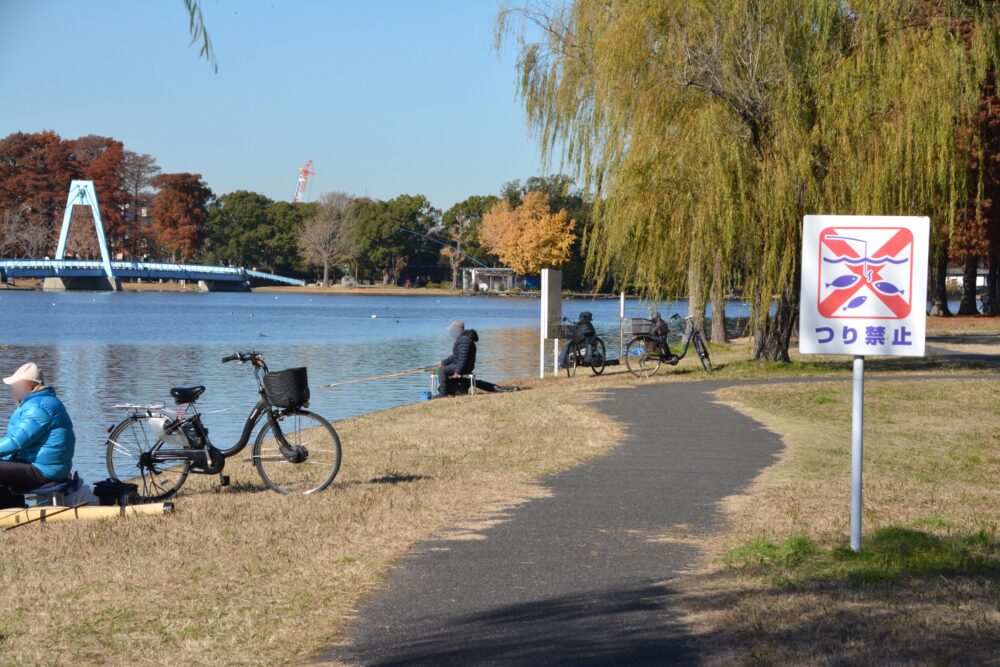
{"points": [[706, 129]]}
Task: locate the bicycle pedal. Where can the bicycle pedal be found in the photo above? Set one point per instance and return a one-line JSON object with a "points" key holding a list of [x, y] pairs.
{"points": [[223, 480]]}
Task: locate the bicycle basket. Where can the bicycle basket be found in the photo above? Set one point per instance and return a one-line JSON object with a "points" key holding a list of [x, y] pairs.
{"points": [[639, 325], [567, 330], [288, 388]]}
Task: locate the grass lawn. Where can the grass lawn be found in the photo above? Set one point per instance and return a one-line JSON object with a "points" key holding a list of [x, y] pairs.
{"points": [[781, 585], [242, 575]]}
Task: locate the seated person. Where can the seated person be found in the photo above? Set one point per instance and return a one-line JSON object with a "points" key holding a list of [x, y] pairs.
{"points": [[463, 356], [38, 446], [583, 334]]}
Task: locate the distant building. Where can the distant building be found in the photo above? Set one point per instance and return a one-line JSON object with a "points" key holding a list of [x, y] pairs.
{"points": [[956, 277], [479, 279]]}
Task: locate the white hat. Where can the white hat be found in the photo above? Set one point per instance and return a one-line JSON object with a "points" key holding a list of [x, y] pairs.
{"points": [[29, 372]]}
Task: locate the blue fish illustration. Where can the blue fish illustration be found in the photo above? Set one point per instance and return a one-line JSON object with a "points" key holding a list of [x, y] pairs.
{"points": [[855, 302], [886, 287], [840, 282]]}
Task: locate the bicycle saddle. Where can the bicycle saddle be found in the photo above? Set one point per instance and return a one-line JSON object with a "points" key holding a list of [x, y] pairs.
{"points": [[187, 394]]}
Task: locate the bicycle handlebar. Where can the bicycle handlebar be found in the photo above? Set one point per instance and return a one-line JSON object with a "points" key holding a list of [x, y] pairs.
{"points": [[241, 357]]}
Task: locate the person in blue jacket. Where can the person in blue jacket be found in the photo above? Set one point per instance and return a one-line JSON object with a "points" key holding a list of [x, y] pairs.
{"points": [[38, 446]]}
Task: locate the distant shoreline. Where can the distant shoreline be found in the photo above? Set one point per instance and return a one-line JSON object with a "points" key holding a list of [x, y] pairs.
{"points": [[372, 290]]}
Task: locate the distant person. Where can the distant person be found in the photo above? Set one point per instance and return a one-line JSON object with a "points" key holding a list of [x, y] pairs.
{"points": [[583, 334], [463, 356], [39, 443]]}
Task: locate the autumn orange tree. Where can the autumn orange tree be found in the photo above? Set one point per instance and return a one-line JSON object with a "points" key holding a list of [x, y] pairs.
{"points": [[180, 209], [530, 236]]}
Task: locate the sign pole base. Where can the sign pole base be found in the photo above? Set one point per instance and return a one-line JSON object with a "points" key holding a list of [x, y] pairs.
{"points": [[857, 449]]}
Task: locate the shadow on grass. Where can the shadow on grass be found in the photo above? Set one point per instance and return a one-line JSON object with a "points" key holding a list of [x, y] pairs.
{"points": [[397, 478], [746, 368], [909, 597]]}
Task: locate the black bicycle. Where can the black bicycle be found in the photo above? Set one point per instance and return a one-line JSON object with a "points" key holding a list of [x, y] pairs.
{"points": [[296, 451], [590, 352], [645, 352]]}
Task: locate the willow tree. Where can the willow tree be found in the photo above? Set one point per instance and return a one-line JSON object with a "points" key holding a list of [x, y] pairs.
{"points": [[706, 129]]}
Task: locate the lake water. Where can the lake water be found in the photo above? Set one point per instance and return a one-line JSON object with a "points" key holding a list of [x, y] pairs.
{"points": [[102, 348]]}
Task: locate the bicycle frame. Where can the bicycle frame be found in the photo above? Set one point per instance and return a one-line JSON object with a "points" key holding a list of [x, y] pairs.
{"points": [[208, 459]]}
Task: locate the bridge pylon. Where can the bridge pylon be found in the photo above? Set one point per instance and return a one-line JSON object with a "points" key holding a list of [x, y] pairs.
{"points": [[82, 193]]}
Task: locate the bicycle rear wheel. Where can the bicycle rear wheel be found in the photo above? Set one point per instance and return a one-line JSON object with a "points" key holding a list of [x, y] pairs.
{"points": [[130, 448], [702, 349], [642, 356], [598, 357], [321, 447]]}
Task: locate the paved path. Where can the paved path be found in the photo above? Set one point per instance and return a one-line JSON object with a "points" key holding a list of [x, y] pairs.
{"points": [[576, 578]]}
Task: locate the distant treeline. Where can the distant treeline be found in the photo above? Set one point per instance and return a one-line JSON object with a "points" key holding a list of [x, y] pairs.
{"points": [[148, 214]]}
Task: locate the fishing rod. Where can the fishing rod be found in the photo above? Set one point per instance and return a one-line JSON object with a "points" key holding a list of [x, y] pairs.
{"points": [[442, 243], [412, 371]]}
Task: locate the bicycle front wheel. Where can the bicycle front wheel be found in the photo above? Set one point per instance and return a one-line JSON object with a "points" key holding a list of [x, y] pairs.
{"points": [[702, 349], [572, 361], [131, 452], [642, 357], [310, 473], [598, 357]]}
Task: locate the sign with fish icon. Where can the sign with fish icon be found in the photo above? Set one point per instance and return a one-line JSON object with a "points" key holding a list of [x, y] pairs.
{"points": [[864, 278]]}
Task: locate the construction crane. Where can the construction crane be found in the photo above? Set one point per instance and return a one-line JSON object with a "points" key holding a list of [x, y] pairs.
{"points": [[304, 173]]}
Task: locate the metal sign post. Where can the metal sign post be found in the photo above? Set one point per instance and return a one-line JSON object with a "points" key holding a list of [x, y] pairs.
{"points": [[857, 449], [863, 292]]}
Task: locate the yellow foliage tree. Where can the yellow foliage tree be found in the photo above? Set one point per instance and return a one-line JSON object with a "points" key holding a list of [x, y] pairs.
{"points": [[529, 237]]}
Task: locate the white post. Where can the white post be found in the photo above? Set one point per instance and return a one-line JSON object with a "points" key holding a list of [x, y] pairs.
{"points": [[555, 356], [857, 450], [550, 315], [621, 327]]}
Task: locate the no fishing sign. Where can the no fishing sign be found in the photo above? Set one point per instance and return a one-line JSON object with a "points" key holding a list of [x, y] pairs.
{"points": [[863, 291], [864, 285]]}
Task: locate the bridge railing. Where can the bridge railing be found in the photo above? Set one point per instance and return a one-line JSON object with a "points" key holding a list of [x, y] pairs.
{"points": [[152, 270]]}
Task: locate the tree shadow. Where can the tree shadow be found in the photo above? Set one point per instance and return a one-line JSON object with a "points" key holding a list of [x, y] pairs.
{"points": [[626, 626]]}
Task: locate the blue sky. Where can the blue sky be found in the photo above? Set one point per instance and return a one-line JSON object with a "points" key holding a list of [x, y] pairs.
{"points": [[386, 96]]}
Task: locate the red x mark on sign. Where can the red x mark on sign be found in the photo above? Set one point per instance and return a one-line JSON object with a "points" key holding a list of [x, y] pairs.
{"points": [[830, 307]]}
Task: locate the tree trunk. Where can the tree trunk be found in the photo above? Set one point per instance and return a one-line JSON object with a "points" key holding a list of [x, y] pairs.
{"points": [[326, 273], [992, 275], [718, 300], [970, 275], [939, 289], [773, 333], [696, 295]]}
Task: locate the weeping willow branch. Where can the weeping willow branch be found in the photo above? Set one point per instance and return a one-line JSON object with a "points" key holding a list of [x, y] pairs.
{"points": [[199, 33], [706, 129]]}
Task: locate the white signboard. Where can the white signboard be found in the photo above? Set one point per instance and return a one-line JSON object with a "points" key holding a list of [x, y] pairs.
{"points": [[864, 285], [551, 302]]}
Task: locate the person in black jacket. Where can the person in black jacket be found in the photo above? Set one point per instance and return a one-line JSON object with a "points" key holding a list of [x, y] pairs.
{"points": [[463, 356]]}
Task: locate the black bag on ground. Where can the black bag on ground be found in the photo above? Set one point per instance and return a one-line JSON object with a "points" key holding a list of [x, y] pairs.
{"points": [[113, 492], [288, 388]]}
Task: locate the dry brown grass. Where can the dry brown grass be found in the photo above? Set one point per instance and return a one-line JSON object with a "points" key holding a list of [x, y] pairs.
{"points": [[932, 475], [244, 576]]}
